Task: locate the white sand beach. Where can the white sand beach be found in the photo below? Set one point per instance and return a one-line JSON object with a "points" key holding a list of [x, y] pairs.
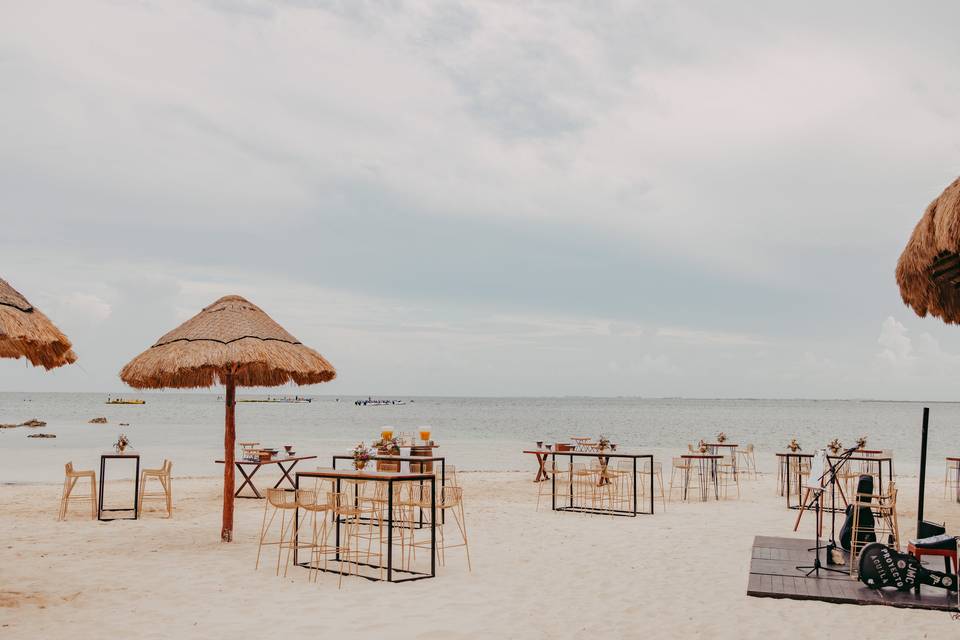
{"points": [[679, 573]]}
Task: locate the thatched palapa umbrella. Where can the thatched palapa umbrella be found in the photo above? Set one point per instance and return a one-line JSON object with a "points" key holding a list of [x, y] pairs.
{"points": [[234, 343], [928, 273], [26, 332]]}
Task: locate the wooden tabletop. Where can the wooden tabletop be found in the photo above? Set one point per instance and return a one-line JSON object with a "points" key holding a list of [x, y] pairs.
{"points": [[125, 454], [365, 474], [953, 459], [858, 458], [271, 460], [710, 456], [388, 458], [721, 444], [605, 454]]}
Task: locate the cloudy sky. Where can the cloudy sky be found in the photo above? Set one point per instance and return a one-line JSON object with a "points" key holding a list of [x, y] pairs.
{"points": [[488, 198]]}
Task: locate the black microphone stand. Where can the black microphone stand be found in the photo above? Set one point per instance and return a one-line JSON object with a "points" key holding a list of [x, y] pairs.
{"points": [[831, 476]]}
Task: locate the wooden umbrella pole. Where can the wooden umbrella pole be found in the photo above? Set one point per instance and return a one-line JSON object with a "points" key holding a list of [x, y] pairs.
{"points": [[229, 437]]}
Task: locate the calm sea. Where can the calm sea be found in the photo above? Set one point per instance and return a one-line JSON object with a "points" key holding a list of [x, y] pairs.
{"points": [[474, 433]]}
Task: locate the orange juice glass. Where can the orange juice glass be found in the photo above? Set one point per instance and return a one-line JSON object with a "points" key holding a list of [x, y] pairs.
{"points": [[386, 434], [424, 434]]}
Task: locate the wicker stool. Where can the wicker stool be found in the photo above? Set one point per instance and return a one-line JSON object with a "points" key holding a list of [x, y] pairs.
{"points": [[69, 482]]}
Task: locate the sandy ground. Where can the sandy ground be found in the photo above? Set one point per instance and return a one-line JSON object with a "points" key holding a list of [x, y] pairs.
{"points": [[680, 573]]}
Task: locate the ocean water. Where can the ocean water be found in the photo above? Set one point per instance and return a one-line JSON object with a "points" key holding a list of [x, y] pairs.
{"points": [[474, 433]]}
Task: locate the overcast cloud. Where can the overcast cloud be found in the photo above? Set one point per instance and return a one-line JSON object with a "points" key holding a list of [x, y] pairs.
{"points": [[488, 198]]}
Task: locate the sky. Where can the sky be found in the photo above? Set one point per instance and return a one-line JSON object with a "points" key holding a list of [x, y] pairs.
{"points": [[488, 198]]}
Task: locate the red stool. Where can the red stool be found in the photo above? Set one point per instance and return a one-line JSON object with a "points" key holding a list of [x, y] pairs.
{"points": [[946, 554]]}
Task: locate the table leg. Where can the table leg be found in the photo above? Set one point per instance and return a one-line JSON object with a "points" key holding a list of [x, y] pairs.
{"points": [[390, 531], [433, 527], [553, 485], [286, 474], [716, 480], [542, 471], [247, 481], [786, 473], [136, 491], [103, 471], [296, 530]]}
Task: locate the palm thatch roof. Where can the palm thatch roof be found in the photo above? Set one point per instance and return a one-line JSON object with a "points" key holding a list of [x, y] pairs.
{"points": [[26, 332], [928, 271], [231, 336]]}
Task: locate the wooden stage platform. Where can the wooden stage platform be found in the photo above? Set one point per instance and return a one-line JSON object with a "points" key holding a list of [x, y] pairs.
{"points": [[773, 574]]}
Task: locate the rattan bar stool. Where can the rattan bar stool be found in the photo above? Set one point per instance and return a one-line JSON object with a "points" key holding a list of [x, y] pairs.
{"points": [[682, 468], [657, 472], [951, 478], [884, 507], [345, 509], [315, 511], [70, 479], [449, 499], [727, 475], [747, 460], [283, 501], [561, 474], [162, 475]]}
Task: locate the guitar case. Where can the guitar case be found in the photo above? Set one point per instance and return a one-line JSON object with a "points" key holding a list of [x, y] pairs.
{"points": [[865, 519], [882, 566]]}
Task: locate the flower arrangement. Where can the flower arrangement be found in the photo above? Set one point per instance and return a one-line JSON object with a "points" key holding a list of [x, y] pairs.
{"points": [[122, 443], [794, 445], [835, 445], [603, 442], [721, 437], [702, 447], [389, 445], [361, 456], [861, 442]]}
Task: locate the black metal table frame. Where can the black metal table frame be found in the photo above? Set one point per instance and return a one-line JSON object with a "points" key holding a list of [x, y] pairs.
{"points": [[136, 485], [411, 459], [709, 460], [414, 575], [248, 478], [785, 462], [605, 460]]}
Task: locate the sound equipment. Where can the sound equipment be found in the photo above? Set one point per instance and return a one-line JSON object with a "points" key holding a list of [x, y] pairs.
{"points": [[882, 566], [865, 521]]}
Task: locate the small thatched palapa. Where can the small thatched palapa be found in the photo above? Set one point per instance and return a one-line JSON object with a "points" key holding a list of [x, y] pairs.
{"points": [[230, 337], [234, 343], [928, 271], [26, 332]]}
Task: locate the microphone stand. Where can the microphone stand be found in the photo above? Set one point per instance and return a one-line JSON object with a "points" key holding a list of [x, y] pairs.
{"points": [[831, 475]]}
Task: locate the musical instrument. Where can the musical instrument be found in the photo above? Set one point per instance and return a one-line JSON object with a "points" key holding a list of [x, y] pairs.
{"points": [[865, 521], [882, 566]]}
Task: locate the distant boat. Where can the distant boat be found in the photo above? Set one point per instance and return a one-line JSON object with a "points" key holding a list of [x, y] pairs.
{"points": [[293, 400], [124, 401], [370, 402]]}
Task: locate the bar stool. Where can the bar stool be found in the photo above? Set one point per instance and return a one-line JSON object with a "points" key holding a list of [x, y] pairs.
{"points": [[450, 499], [727, 475], [951, 479], [309, 500], [559, 486], [657, 472], [683, 467], [748, 460], [69, 482], [283, 501], [885, 521], [162, 475], [345, 510]]}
